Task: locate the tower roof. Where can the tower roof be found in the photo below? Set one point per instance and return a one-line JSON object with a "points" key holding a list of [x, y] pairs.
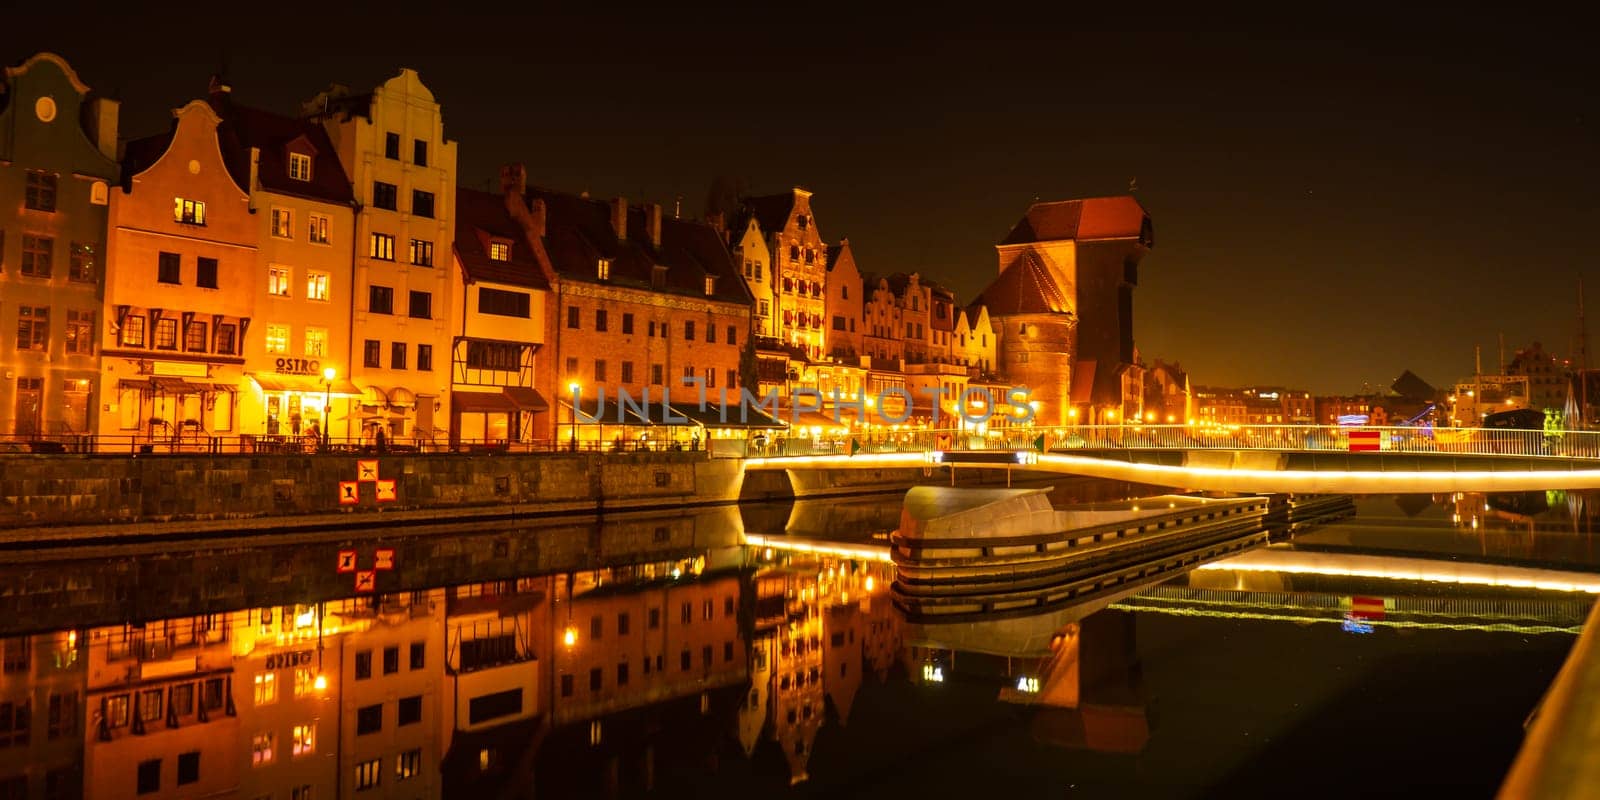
{"points": [[1027, 287], [1092, 218]]}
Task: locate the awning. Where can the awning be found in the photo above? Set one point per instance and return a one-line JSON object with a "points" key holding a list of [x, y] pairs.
{"points": [[175, 386], [273, 382], [527, 398], [373, 396], [809, 419], [738, 416], [482, 402], [401, 396], [593, 412]]}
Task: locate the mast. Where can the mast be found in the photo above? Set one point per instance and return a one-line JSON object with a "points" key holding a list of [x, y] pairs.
{"points": [[1583, 362]]}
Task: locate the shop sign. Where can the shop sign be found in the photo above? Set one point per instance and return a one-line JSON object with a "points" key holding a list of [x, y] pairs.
{"points": [[297, 658], [298, 366]]}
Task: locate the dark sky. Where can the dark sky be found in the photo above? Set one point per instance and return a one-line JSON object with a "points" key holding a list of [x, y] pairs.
{"points": [[1333, 202]]}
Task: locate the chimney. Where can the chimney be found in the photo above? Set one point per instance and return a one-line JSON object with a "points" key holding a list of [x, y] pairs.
{"points": [[102, 125], [514, 179], [653, 224], [619, 217]]}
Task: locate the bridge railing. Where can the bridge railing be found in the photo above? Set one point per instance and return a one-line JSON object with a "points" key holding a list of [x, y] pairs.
{"points": [[1281, 438]]}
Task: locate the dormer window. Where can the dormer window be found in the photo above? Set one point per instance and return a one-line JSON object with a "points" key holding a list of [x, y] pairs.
{"points": [[711, 285], [602, 269], [300, 166], [658, 277], [500, 251], [804, 221], [192, 212]]}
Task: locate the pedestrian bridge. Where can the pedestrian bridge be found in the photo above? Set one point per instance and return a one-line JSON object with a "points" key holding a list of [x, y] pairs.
{"points": [[1271, 459]]}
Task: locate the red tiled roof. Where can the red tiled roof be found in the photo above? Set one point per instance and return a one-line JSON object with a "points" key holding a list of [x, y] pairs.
{"points": [[772, 211], [243, 128], [1026, 287], [1093, 218], [480, 218]]}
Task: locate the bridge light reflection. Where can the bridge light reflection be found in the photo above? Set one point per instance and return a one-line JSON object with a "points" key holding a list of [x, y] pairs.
{"points": [[1403, 569]]}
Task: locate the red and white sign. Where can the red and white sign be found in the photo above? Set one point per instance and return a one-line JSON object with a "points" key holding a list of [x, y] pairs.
{"points": [[386, 491], [1366, 441], [1367, 607], [366, 580], [383, 558], [367, 469], [349, 493], [347, 561]]}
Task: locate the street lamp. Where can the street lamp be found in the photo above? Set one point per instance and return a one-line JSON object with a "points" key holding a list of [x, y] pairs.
{"points": [[327, 404], [573, 389]]}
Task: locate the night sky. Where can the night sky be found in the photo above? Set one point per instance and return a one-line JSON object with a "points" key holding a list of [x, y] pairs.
{"points": [[1333, 203]]}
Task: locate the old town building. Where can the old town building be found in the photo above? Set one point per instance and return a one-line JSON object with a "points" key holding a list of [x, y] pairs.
{"points": [[750, 252], [497, 359], [1167, 393], [181, 263], [58, 147], [391, 142], [298, 356], [799, 259], [975, 340], [42, 697], [844, 303], [1549, 380]]}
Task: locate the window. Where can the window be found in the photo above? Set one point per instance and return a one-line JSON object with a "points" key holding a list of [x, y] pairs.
{"points": [[425, 357], [733, 378], [500, 251], [385, 195], [41, 191], [367, 774], [503, 303], [63, 715], [397, 355], [189, 212], [410, 710], [566, 685], [194, 337], [277, 338], [380, 299], [572, 367], [381, 247], [283, 223], [627, 323], [655, 619], [363, 663], [305, 681], [317, 230], [371, 356], [300, 166], [711, 334], [627, 372], [82, 268], [391, 660], [278, 281], [205, 272], [189, 767], [305, 740], [838, 323], [711, 285], [504, 356], [573, 316], [166, 334], [622, 674], [33, 327], [149, 780], [419, 152], [422, 252], [419, 655], [732, 335], [711, 378], [261, 747], [422, 203], [117, 711], [266, 688], [301, 792], [38, 253], [727, 651], [133, 331], [657, 375], [600, 320], [316, 342], [421, 305], [684, 660], [686, 613], [211, 694], [409, 763], [599, 370], [706, 609], [603, 269], [391, 146], [688, 331], [596, 679], [369, 719], [316, 286]]}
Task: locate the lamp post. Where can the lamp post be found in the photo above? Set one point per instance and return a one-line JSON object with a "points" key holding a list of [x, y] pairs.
{"points": [[573, 388], [327, 405]]}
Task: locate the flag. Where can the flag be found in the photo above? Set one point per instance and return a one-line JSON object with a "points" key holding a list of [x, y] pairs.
{"points": [[1365, 441], [1038, 443], [855, 446]]}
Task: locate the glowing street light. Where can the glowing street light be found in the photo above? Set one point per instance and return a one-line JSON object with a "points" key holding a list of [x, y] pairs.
{"points": [[573, 388], [327, 403], [570, 636]]}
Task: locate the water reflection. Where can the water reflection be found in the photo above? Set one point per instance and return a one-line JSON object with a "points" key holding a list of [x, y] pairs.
{"points": [[654, 653]]}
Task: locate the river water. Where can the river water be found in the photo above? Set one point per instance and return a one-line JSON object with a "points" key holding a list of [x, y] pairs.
{"points": [[1398, 649]]}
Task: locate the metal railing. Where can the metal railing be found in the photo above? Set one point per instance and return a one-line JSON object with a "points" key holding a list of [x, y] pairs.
{"points": [[1279, 438]]}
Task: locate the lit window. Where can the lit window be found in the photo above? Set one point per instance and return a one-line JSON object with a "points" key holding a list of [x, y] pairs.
{"points": [[604, 269], [382, 247], [422, 252], [500, 251], [189, 212], [316, 341], [277, 338], [283, 223], [266, 688], [367, 774], [261, 746], [317, 231], [316, 285], [278, 281], [300, 166], [305, 739], [305, 681], [407, 764], [41, 191]]}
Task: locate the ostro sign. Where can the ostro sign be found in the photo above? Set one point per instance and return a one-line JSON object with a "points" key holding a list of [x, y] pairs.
{"points": [[299, 366]]}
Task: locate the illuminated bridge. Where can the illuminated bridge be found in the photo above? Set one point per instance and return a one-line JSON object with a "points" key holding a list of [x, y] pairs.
{"points": [[1268, 459]]}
